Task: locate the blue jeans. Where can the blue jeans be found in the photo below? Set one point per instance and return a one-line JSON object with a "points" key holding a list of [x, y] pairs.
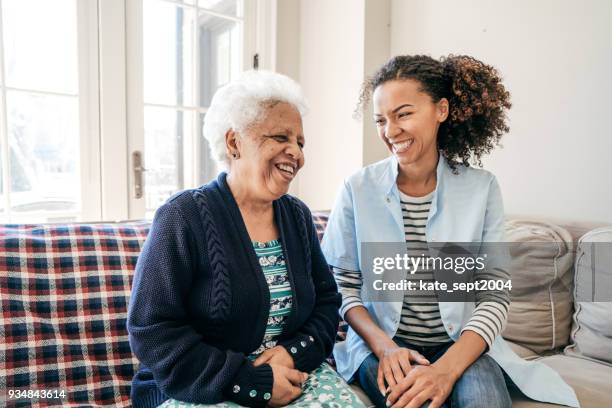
{"points": [[481, 385]]}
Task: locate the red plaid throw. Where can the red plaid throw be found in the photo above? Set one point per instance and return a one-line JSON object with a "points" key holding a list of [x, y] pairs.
{"points": [[64, 292]]}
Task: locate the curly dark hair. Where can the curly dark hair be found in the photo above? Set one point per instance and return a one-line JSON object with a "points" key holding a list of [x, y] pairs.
{"points": [[478, 101]]}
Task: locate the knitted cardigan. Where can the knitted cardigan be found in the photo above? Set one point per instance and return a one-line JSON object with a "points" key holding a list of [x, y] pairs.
{"points": [[199, 302]]}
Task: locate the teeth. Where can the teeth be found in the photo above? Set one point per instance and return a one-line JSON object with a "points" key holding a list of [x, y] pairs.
{"points": [[403, 146], [286, 168]]}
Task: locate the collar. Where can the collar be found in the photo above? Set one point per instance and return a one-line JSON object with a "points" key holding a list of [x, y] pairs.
{"points": [[388, 182], [388, 179]]}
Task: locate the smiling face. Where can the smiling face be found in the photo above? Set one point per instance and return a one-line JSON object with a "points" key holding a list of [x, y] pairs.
{"points": [[270, 152], [407, 120]]}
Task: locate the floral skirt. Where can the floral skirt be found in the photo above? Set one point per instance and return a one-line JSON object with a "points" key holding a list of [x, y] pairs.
{"points": [[324, 388]]}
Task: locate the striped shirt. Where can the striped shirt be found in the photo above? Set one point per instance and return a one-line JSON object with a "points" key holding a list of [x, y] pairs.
{"points": [[420, 322]]}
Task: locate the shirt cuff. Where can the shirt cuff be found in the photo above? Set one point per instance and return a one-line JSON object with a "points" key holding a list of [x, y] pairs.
{"points": [[303, 350], [482, 333], [348, 305], [252, 386]]}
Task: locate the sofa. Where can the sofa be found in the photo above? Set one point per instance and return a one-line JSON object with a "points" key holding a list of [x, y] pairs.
{"points": [[64, 291]]}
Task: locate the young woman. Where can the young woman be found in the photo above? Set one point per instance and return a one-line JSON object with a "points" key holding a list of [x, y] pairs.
{"points": [[434, 116]]}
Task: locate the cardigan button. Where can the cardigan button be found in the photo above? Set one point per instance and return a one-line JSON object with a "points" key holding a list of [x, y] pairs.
{"points": [[252, 394], [303, 343], [236, 389], [310, 338], [293, 350], [267, 396]]}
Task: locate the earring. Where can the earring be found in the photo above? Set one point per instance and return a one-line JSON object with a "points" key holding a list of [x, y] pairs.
{"points": [[235, 155]]}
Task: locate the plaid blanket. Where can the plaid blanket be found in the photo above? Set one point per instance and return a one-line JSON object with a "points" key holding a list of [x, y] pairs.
{"points": [[64, 291]]}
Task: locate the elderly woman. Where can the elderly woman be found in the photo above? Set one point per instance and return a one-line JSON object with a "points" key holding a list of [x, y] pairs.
{"points": [[232, 300], [434, 117]]}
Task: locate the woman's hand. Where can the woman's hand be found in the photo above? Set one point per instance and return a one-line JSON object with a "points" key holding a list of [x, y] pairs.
{"points": [[287, 385], [394, 365], [275, 355], [423, 383]]}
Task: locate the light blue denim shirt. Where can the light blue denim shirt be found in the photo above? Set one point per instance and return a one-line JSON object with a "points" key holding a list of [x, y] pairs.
{"points": [[466, 207]]}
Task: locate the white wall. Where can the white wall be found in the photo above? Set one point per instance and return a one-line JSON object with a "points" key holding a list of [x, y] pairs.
{"points": [[556, 58], [288, 38], [331, 58], [329, 47], [377, 50]]}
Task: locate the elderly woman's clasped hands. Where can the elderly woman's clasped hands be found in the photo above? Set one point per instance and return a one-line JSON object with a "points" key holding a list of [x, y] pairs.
{"points": [[287, 380]]}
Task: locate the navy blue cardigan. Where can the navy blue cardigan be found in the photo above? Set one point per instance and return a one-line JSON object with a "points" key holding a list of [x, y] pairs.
{"points": [[200, 302]]}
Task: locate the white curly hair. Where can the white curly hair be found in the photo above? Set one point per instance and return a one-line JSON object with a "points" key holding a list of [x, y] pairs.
{"points": [[242, 102]]}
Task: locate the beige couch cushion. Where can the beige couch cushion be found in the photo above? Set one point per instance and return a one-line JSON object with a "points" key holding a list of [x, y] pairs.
{"points": [[592, 324], [522, 351], [591, 381], [540, 268]]}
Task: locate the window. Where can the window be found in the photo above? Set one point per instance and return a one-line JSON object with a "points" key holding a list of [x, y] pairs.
{"points": [[44, 112], [190, 49], [88, 85]]}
